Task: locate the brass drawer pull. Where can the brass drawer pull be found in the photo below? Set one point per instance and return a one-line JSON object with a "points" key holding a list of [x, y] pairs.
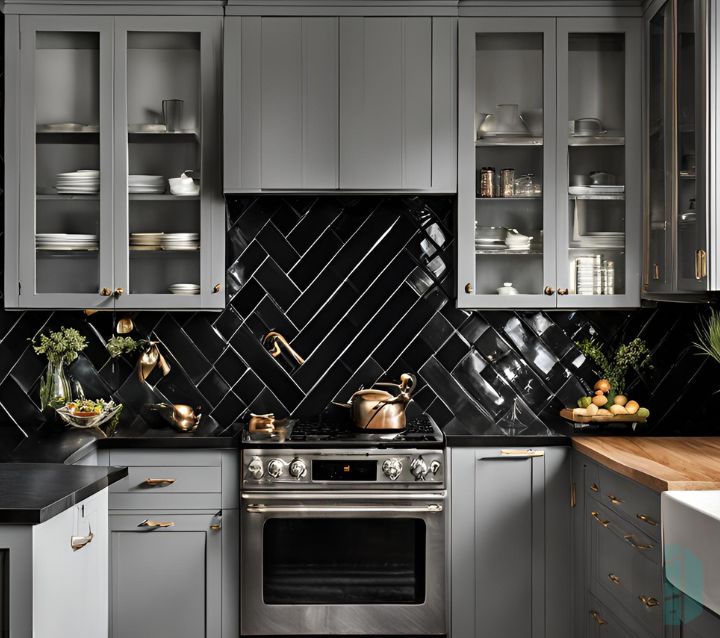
{"points": [[635, 544], [649, 601], [78, 542], [597, 618], [615, 579], [469, 288], [522, 452], [156, 524], [614, 500], [596, 516], [563, 291], [159, 482], [216, 522], [594, 487], [647, 519]]}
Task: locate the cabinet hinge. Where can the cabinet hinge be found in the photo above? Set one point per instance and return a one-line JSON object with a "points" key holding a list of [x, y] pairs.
{"points": [[573, 495]]}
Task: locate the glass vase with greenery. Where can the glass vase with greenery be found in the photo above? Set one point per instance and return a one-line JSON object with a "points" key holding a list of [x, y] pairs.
{"points": [[60, 347]]}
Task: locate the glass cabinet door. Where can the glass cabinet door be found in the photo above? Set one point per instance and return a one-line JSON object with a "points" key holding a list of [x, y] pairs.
{"points": [[65, 221], [658, 213], [690, 146], [167, 173], [506, 146], [599, 156]]}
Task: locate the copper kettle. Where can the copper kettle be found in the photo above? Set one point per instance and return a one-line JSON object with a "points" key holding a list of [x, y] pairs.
{"points": [[373, 409]]}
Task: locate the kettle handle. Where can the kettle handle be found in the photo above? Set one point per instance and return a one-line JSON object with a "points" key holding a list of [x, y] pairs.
{"points": [[407, 383]]}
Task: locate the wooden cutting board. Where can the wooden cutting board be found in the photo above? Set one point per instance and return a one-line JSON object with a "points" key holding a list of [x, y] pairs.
{"points": [[567, 413]]}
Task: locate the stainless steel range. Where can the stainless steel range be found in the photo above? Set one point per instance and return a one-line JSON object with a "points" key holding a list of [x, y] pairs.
{"points": [[343, 531]]}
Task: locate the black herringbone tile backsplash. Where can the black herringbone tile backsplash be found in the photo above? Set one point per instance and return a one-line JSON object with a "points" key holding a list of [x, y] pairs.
{"points": [[361, 287]]}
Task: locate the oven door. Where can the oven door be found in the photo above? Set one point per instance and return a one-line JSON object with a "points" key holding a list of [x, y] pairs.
{"points": [[343, 563]]}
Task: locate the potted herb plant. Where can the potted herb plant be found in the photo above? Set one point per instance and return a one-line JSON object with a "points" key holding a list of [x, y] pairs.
{"points": [[60, 347]]}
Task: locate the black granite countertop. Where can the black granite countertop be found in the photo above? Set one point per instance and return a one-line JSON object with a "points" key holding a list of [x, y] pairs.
{"points": [[535, 434], [33, 493]]}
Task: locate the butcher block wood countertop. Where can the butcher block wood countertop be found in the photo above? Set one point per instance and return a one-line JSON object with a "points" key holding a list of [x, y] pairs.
{"points": [[660, 463]]}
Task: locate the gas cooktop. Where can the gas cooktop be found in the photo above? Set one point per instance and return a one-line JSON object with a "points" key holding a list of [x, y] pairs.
{"points": [[326, 431]]}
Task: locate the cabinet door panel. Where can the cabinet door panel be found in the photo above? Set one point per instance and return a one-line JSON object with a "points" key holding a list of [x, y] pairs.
{"points": [[165, 582], [281, 103], [385, 103]]}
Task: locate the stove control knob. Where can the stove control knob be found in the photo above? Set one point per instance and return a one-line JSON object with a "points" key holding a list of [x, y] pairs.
{"points": [[419, 468], [435, 466], [275, 468], [297, 469], [255, 467], [392, 468]]}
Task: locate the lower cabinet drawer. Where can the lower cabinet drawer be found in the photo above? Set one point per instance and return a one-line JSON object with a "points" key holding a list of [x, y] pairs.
{"points": [[601, 623], [626, 570], [635, 502]]}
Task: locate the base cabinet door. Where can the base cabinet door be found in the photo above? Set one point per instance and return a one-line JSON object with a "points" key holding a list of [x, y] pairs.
{"points": [[502, 567], [165, 575]]}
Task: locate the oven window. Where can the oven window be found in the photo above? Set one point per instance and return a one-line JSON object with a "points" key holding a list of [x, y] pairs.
{"points": [[337, 561]]}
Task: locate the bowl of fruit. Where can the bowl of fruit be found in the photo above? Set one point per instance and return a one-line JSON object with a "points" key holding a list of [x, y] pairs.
{"points": [[605, 406], [86, 414]]}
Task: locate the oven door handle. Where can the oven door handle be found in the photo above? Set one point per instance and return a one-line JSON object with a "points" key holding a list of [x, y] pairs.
{"points": [[379, 496], [257, 508]]}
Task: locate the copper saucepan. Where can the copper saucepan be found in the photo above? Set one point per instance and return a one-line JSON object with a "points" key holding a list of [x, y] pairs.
{"points": [[373, 409]]}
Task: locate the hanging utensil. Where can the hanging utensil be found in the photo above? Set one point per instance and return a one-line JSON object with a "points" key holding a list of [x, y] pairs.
{"points": [[181, 417], [124, 326], [149, 359]]}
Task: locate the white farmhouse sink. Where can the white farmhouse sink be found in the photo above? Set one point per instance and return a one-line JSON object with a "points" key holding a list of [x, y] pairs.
{"points": [[691, 544]]}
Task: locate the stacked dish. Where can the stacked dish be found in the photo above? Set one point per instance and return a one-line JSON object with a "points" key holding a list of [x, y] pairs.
{"points": [[585, 275], [603, 239], [84, 182], [146, 184], [65, 241], [146, 241], [184, 289], [490, 237], [180, 241]]}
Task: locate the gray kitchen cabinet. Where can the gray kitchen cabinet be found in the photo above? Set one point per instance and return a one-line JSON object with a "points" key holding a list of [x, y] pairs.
{"points": [[165, 581], [87, 113], [55, 576], [510, 530], [281, 103], [396, 103], [524, 165], [697, 622], [174, 543], [681, 133], [321, 103]]}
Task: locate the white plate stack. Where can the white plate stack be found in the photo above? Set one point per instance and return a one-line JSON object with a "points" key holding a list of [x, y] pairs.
{"points": [[585, 275], [78, 183], [180, 241], [184, 289], [603, 239], [146, 241], [65, 241], [146, 184]]}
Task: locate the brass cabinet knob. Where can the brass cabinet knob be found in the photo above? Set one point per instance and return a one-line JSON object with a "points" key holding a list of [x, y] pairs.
{"points": [[549, 290], [597, 618], [614, 500], [469, 288], [217, 288], [106, 292], [614, 579], [649, 601], [594, 487], [563, 291], [119, 291], [602, 522]]}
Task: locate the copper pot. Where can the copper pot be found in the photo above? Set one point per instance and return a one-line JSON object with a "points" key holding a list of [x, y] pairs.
{"points": [[374, 409]]}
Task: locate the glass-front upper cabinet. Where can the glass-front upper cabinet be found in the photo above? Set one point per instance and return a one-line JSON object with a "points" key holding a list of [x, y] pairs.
{"points": [[690, 149], [64, 242], [599, 179], [506, 149], [657, 276], [167, 175], [113, 177]]}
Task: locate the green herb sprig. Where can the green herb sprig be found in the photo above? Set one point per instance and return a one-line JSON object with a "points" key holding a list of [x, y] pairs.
{"points": [[122, 345], [634, 355], [708, 336], [64, 344]]}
